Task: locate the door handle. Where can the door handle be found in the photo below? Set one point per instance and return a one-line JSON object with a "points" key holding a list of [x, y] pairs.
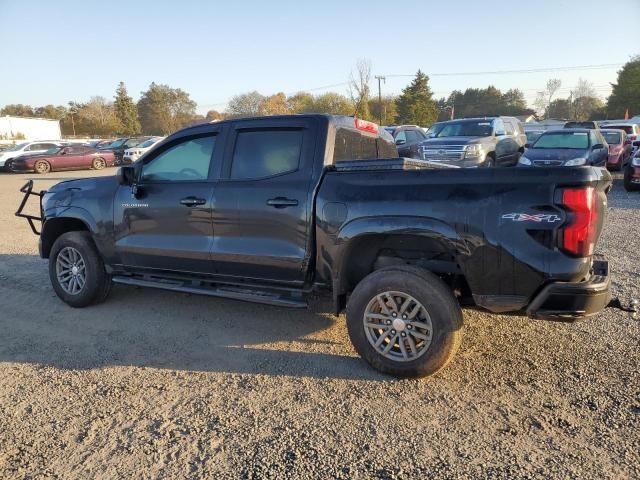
{"points": [[192, 201], [282, 202]]}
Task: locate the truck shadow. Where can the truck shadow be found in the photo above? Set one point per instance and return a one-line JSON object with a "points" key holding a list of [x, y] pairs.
{"points": [[157, 329]]}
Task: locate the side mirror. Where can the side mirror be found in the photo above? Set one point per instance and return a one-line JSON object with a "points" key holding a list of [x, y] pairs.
{"points": [[527, 145], [499, 133], [598, 146], [126, 175], [636, 143], [400, 142]]}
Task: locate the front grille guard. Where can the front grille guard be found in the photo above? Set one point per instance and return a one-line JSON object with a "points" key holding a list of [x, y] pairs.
{"points": [[27, 189]]}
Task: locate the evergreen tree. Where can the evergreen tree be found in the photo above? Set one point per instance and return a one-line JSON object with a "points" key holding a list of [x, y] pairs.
{"points": [[415, 105], [626, 91], [126, 111]]}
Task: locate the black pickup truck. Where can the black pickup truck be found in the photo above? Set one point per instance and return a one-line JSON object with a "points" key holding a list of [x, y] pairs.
{"points": [[279, 209]]}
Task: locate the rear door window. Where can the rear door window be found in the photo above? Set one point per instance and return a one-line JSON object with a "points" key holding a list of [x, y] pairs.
{"points": [[266, 152], [509, 128]]}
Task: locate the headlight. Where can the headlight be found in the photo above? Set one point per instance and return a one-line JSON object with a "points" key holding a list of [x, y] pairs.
{"points": [[574, 162], [635, 162], [473, 150], [524, 161]]}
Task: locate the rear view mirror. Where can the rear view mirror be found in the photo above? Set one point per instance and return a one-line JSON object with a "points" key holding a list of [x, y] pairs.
{"points": [[126, 175], [527, 145], [400, 142]]}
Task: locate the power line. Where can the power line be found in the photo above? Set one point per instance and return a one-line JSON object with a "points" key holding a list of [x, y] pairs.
{"points": [[451, 74], [509, 72]]}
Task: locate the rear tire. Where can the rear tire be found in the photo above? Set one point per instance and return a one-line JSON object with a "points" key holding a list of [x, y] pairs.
{"points": [[42, 166], [77, 271], [425, 331]]}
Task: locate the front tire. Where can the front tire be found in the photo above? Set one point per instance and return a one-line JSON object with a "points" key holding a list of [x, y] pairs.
{"points": [[404, 321], [76, 270]]}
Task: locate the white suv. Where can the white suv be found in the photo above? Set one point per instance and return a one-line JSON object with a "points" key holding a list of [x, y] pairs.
{"points": [[27, 148], [134, 153]]}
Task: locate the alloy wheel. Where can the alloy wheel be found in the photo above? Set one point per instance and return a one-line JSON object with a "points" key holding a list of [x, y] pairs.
{"points": [[398, 326], [71, 270]]}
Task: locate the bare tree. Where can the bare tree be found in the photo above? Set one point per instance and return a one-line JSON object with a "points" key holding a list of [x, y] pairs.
{"points": [[584, 100], [359, 88], [544, 98]]}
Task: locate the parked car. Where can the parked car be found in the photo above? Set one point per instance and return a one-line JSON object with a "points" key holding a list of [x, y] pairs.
{"points": [[26, 148], [632, 174], [475, 142], [119, 145], [271, 209], [631, 129], [589, 124], [72, 157], [132, 154], [620, 150], [569, 147], [408, 139]]}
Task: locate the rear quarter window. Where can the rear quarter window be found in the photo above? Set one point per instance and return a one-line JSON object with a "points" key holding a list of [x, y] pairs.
{"points": [[353, 145]]}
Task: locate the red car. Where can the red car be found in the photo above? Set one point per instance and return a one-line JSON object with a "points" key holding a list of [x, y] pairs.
{"points": [[72, 157], [620, 148]]}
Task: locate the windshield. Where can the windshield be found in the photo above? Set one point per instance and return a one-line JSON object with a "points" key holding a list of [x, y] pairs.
{"points": [[148, 143], [533, 136], [480, 128], [627, 128], [563, 140], [116, 144], [612, 137], [18, 147]]}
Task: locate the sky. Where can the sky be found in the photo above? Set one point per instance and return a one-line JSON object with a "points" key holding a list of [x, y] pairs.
{"points": [[57, 51]]}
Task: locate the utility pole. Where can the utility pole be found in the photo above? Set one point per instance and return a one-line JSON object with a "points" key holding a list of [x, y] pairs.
{"points": [[379, 78]]}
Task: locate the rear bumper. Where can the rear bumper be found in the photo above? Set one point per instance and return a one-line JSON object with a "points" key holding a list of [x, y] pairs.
{"points": [[564, 301]]}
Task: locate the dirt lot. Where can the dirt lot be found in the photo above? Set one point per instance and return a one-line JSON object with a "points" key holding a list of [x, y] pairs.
{"points": [[153, 384]]}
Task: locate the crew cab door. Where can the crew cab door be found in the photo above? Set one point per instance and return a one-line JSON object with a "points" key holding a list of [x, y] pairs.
{"points": [[262, 212], [166, 225]]}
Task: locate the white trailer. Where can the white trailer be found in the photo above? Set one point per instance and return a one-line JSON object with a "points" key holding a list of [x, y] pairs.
{"points": [[19, 128]]}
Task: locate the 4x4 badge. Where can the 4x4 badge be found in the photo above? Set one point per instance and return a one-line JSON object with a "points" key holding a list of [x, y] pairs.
{"points": [[525, 217]]}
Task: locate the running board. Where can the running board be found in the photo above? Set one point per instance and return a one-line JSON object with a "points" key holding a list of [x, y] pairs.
{"points": [[235, 293]]}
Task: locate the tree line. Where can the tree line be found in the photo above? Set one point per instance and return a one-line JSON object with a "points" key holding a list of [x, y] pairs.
{"points": [[162, 109], [159, 111]]}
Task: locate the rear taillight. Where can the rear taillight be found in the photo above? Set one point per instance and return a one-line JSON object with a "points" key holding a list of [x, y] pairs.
{"points": [[579, 235]]}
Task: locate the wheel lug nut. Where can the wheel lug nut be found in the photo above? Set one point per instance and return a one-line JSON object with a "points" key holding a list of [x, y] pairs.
{"points": [[409, 327], [404, 334], [394, 314], [393, 332], [388, 322], [404, 317]]}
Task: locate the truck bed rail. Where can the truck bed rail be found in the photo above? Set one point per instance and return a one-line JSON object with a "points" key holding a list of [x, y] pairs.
{"points": [[27, 189]]}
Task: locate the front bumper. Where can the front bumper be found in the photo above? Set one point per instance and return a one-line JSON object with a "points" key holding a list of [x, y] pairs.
{"points": [[565, 301]]}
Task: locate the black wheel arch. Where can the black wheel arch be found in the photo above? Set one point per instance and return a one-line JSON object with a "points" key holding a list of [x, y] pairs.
{"points": [[56, 226]]}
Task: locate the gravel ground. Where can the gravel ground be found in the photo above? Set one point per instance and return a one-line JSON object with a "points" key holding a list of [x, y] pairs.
{"points": [[154, 384]]}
